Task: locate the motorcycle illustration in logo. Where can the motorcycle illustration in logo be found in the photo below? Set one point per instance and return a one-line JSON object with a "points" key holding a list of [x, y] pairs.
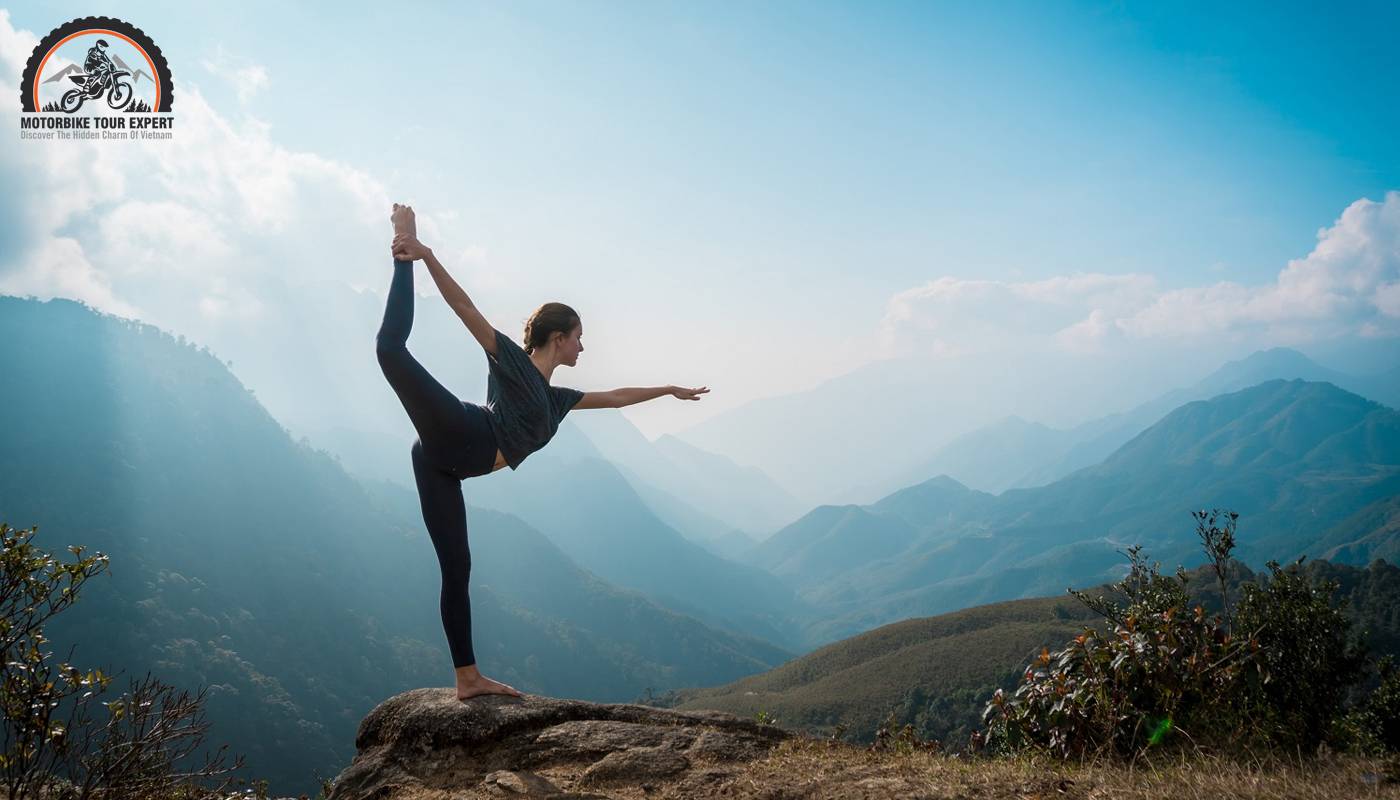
{"points": [[103, 77]]}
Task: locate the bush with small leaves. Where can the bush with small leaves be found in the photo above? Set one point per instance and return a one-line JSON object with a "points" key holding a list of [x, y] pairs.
{"points": [[1308, 658], [1270, 673], [50, 753]]}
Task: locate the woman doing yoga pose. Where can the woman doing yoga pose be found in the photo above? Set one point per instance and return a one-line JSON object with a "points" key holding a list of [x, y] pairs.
{"points": [[459, 440]]}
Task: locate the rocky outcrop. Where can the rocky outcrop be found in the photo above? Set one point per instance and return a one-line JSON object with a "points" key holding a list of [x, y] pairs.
{"points": [[426, 742]]}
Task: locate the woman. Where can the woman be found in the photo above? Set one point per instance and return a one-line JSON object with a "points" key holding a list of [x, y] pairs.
{"points": [[459, 440]]}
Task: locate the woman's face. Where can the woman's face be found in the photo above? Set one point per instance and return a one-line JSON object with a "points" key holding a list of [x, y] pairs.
{"points": [[571, 346]]}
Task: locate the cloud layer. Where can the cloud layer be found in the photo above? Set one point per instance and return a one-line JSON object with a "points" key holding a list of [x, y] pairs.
{"points": [[1349, 285]]}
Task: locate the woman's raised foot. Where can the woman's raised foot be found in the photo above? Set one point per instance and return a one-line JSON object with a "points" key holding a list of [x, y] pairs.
{"points": [[404, 221]]}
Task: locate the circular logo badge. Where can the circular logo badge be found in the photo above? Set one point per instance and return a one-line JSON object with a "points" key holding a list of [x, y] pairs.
{"points": [[96, 65]]}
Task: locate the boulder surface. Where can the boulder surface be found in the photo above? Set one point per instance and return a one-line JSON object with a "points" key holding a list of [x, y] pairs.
{"points": [[425, 743]]}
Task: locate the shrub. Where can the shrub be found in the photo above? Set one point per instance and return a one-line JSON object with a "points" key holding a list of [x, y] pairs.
{"points": [[901, 739], [1373, 727], [1270, 673], [1308, 658], [1161, 669]]}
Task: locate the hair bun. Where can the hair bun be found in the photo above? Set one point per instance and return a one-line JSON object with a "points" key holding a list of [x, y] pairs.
{"points": [[547, 319]]}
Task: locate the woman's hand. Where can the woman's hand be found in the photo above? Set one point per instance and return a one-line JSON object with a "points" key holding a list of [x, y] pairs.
{"points": [[682, 393], [406, 247]]}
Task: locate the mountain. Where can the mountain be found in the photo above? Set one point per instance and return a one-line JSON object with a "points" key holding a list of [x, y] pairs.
{"points": [[677, 480], [829, 540], [1383, 387], [987, 458], [595, 516], [247, 562], [753, 500], [1015, 453], [856, 437], [697, 525], [1294, 458], [1372, 532], [1092, 442]]}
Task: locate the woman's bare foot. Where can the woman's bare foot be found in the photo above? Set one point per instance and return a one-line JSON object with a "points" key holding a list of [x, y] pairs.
{"points": [[470, 683], [404, 221], [486, 687]]}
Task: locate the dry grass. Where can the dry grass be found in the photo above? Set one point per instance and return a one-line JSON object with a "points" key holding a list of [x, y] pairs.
{"points": [[815, 769], [809, 768]]}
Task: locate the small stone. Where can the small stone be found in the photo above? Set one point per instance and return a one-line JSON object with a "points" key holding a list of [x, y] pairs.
{"points": [[508, 783]]}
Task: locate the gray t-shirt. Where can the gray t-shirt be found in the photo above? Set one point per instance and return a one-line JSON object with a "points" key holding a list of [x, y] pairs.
{"points": [[525, 409]]}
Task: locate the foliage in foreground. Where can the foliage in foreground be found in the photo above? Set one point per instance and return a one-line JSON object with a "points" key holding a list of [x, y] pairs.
{"points": [[1270, 673], [52, 745]]}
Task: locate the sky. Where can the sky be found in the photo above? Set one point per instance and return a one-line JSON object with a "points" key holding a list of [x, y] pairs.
{"points": [[755, 197]]}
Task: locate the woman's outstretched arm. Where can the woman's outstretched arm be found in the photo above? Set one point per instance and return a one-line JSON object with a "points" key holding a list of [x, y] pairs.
{"points": [[617, 398], [481, 329]]}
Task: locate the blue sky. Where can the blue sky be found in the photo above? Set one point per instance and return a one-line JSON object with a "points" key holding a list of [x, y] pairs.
{"points": [[779, 168]]}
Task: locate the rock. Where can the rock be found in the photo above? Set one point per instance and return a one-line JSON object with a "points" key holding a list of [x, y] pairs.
{"points": [[635, 766], [426, 741]]}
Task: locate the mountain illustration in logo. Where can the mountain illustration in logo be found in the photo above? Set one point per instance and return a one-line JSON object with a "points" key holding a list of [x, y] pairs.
{"points": [[71, 69], [74, 69], [135, 73]]}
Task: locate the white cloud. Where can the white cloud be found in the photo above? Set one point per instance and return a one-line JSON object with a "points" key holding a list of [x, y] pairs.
{"points": [[1087, 335], [950, 316], [58, 268], [1335, 290], [1349, 285], [15, 46], [162, 237], [246, 79], [1387, 299]]}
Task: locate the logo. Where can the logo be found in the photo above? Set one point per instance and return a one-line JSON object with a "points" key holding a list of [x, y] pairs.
{"points": [[96, 77]]}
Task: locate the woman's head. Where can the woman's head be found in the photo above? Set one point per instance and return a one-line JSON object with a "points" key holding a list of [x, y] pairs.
{"points": [[558, 325]]}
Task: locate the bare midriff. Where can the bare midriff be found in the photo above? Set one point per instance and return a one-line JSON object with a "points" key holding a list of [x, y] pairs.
{"points": [[500, 461]]}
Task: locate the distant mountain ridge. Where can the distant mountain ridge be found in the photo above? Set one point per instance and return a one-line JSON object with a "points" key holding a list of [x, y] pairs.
{"points": [[1015, 453], [1296, 459]]}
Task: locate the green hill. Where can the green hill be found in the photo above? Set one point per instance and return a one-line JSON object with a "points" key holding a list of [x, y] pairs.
{"points": [[950, 660], [1370, 533]]}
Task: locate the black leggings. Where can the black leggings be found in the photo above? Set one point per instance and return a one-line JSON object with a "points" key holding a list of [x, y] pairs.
{"points": [[454, 442]]}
